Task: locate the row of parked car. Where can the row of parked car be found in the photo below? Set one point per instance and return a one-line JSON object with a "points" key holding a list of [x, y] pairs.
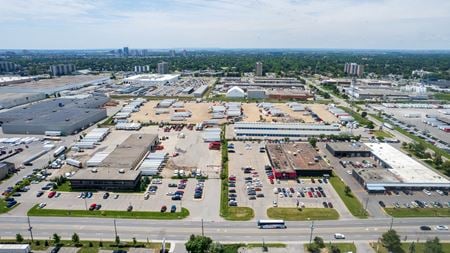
{"points": [[418, 204]]}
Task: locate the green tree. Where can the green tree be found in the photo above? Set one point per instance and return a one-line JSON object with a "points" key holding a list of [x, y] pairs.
{"points": [[134, 241], [216, 247], [75, 238], [412, 248], [433, 246], [313, 141], [391, 240], [438, 159], [347, 190], [19, 238], [319, 242], [335, 249], [56, 239], [198, 244]]}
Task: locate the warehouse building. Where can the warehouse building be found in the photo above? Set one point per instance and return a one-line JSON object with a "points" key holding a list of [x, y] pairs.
{"points": [[198, 93], [348, 149], [151, 79], [5, 169], [293, 131], [256, 94], [291, 160], [67, 116], [8, 100], [117, 171], [396, 170]]}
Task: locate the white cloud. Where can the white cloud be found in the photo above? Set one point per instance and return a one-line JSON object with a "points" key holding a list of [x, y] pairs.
{"points": [[228, 23]]}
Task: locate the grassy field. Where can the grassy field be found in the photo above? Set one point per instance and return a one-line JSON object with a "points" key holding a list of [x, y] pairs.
{"points": [[295, 214], [352, 203], [233, 213], [35, 211], [442, 96], [418, 212], [233, 248], [344, 247], [420, 247], [84, 245]]}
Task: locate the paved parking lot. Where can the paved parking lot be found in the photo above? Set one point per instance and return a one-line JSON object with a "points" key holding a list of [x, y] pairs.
{"points": [[247, 154], [207, 207]]}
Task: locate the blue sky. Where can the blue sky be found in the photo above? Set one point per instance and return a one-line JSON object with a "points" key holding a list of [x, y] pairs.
{"points": [[375, 24]]}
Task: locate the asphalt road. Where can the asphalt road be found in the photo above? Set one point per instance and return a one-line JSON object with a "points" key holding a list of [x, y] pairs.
{"points": [[103, 229]]}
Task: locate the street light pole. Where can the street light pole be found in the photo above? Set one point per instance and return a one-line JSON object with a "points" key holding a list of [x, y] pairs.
{"points": [[30, 228], [203, 232], [115, 229], [392, 223], [311, 234]]}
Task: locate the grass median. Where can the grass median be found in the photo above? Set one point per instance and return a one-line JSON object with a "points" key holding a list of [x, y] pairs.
{"points": [[36, 211], [296, 214], [353, 205], [418, 212]]}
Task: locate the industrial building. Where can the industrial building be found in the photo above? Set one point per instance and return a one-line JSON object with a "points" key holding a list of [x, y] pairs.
{"points": [[354, 69], [382, 93], [396, 170], [6, 66], [348, 149], [151, 79], [291, 160], [117, 171], [5, 169], [289, 94], [293, 131], [256, 94], [8, 100], [67, 116], [198, 93], [259, 69], [235, 92]]}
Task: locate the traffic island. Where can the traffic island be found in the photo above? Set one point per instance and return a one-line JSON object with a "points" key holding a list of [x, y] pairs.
{"points": [[36, 211], [353, 204], [301, 214]]}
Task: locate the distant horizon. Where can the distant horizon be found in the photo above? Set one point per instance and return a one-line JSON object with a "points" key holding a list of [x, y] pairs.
{"points": [[223, 48]]}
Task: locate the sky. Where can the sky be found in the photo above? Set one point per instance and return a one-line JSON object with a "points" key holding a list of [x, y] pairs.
{"points": [[344, 24]]}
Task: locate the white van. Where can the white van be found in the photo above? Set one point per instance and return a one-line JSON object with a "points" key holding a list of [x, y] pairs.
{"points": [[339, 236]]}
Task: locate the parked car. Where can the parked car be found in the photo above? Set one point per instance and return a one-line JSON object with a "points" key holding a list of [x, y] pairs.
{"points": [[106, 195], [163, 209], [51, 194], [381, 204], [92, 207], [173, 208]]}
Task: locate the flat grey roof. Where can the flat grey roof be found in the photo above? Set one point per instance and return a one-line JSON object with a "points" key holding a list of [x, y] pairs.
{"points": [[106, 173], [348, 146], [129, 152]]}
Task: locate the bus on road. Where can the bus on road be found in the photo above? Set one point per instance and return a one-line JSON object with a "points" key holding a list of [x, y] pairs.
{"points": [[271, 224]]}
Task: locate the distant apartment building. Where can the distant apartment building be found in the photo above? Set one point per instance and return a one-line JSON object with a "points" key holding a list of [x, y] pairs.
{"points": [[259, 69], [163, 68], [7, 67], [354, 69], [140, 69], [126, 51], [62, 69]]}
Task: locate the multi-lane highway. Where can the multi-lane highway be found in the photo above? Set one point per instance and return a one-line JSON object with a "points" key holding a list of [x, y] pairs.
{"points": [[103, 229]]}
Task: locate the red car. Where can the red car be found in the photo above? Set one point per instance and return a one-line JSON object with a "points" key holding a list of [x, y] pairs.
{"points": [[310, 194], [51, 194], [271, 181], [92, 207]]}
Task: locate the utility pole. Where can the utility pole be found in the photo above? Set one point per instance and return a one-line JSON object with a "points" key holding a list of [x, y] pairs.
{"points": [[203, 232], [392, 223], [30, 228], [311, 234]]}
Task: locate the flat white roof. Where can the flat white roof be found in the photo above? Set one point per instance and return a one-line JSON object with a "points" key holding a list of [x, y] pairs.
{"points": [[152, 77], [405, 168]]}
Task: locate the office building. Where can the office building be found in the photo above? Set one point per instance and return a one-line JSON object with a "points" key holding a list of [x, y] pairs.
{"points": [[259, 69], [5, 169], [354, 69], [126, 51], [163, 68], [62, 69]]}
